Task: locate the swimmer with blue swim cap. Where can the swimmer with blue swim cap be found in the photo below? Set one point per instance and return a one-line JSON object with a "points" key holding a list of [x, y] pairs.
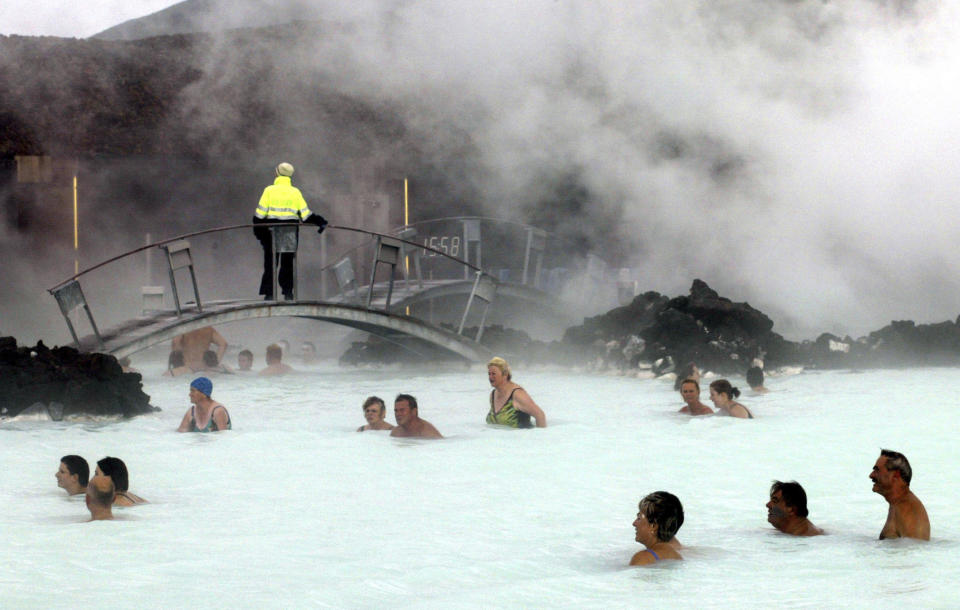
{"points": [[206, 415], [203, 384]]}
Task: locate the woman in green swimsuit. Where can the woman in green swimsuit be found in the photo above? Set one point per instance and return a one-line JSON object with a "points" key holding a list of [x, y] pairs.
{"points": [[510, 405]]}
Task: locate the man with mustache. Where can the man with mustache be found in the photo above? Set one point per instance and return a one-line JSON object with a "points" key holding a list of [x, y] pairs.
{"points": [[906, 518], [787, 510]]}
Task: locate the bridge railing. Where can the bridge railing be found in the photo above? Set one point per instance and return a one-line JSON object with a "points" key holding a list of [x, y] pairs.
{"points": [[383, 249]]}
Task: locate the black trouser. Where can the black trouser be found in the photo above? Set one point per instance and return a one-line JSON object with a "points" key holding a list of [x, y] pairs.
{"points": [[284, 272]]}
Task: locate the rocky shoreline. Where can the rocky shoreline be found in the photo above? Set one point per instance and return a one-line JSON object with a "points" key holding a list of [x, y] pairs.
{"points": [[64, 382], [660, 333], [653, 333]]}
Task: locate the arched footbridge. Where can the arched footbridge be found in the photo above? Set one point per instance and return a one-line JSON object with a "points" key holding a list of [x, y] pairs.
{"points": [[382, 308]]}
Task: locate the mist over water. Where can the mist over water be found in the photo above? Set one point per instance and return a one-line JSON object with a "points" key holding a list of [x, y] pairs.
{"points": [[796, 155]]}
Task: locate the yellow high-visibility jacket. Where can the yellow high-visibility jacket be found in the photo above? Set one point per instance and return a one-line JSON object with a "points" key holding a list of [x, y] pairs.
{"points": [[282, 201]]}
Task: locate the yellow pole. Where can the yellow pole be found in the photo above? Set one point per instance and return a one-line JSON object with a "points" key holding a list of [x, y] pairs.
{"points": [[406, 223], [76, 231]]}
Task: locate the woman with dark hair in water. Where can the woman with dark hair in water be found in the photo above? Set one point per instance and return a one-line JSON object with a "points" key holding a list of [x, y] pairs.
{"points": [[659, 518], [755, 380], [117, 471], [722, 394]]}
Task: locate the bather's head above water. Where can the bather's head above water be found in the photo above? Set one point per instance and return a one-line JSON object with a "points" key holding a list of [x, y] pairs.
{"points": [[787, 509], [664, 512], [659, 518], [73, 474], [115, 469], [375, 412], [498, 371], [100, 496], [201, 389], [245, 360]]}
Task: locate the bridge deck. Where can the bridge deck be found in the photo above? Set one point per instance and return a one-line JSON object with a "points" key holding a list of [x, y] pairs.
{"points": [[413, 334]]}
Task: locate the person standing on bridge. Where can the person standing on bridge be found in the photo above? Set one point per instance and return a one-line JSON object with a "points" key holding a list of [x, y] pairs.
{"points": [[281, 202]]}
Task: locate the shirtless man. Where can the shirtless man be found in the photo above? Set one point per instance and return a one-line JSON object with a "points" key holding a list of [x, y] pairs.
{"points": [[375, 412], [408, 420], [195, 342], [275, 365], [906, 518], [73, 474], [690, 391], [100, 493], [787, 510]]}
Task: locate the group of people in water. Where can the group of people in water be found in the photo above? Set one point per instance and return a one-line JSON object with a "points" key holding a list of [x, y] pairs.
{"points": [[202, 351], [109, 486], [660, 514], [510, 406], [722, 393]]}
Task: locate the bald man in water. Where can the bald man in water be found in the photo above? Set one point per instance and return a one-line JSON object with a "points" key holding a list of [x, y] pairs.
{"points": [[906, 517], [100, 496]]}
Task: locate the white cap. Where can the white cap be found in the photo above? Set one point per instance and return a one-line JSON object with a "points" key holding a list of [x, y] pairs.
{"points": [[284, 169]]}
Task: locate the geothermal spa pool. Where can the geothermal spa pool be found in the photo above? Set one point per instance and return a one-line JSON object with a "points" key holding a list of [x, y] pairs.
{"points": [[293, 508]]}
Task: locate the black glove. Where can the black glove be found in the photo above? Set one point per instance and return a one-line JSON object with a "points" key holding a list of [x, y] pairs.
{"points": [[317, 219]]}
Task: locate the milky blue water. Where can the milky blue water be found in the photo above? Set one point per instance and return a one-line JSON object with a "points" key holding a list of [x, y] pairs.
{"points": [[293, 508]]}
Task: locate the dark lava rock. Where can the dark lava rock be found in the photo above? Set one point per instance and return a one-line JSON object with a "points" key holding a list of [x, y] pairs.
{"points": [[717, 334], [66, 382], [703, 327]]}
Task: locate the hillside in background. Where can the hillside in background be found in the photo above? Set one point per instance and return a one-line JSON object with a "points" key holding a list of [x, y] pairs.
{"points": [[198, 16]]}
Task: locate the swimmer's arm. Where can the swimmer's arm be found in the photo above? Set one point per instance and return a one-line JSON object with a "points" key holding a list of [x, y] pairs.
{"points": [[431, 432], [185, 424], [523, 402], [684, 409], [220, 418], [221, 344], [738, 410]]}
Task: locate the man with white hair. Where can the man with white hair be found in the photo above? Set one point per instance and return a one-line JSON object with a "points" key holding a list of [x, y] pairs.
{"points": [[281, 202]]}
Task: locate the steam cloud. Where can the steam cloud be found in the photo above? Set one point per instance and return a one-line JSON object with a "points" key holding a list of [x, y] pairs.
{"points": [[799, 155]]}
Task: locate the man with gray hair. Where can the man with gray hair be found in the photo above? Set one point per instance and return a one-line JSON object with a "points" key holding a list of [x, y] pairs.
{"points": [[906, 517], [281, 202]]}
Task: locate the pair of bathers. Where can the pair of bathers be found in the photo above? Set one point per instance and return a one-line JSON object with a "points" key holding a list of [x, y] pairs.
{"points": [[508, 415]]}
